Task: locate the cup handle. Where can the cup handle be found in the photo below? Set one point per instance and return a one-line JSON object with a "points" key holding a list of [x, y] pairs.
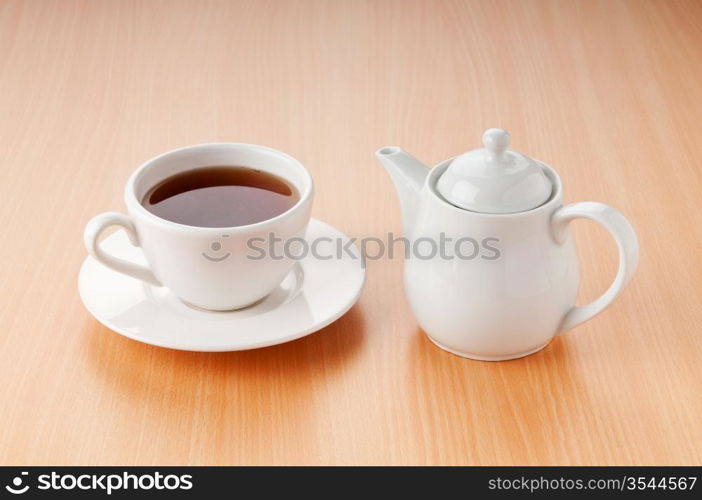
{"points": [[92, 232], [627, 243]]}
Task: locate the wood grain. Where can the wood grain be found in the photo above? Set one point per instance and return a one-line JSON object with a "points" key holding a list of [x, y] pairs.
{"points": [[608, 92]]}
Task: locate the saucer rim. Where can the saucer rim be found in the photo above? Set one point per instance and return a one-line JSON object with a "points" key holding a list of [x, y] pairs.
{"points": [[315, 327]]}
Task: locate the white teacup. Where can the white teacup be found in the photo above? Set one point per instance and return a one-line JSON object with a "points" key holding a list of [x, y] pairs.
{"points": [[212, 268]]}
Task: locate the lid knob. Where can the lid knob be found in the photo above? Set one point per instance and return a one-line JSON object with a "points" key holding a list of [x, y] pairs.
{"points": [[496, 141], [495, 179]]}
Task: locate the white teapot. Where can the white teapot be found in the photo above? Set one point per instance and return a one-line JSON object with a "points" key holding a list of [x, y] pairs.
{"points": [[492, 272]]}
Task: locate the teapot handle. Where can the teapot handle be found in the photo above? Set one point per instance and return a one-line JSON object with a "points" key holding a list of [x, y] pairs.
{"points": [[627, 243]]}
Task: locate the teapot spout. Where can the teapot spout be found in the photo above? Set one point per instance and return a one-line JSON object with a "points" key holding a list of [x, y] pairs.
{"points": [[408, 174]]}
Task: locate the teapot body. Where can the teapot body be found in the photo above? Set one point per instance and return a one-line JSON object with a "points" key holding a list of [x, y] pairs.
{"points": [[489, 286]]}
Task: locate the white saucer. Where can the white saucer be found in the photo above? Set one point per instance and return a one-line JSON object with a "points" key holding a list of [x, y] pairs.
{"points": [[315, 293]]}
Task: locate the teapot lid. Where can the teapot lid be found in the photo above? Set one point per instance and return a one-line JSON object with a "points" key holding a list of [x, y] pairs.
{"points": [[494, 179]]}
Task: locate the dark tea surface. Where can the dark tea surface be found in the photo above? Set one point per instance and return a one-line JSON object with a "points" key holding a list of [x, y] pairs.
{"points": [[220, 197]]}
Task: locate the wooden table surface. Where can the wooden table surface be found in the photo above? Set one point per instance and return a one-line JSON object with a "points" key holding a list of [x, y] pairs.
{"points": [[609, 93]]}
